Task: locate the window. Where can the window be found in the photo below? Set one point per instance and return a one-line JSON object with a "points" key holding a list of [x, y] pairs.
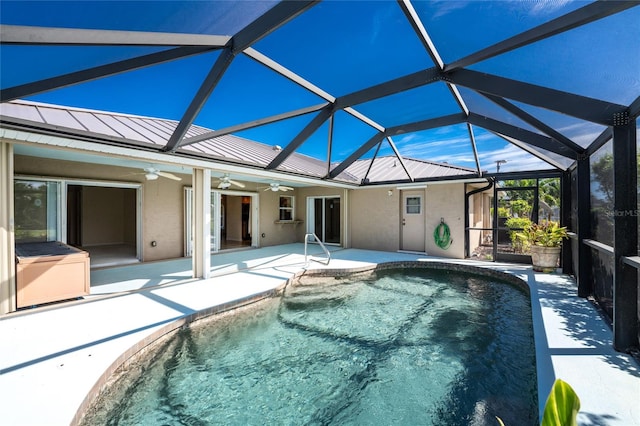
{"points": [[413, 205], [286, 207], [36, 211]]}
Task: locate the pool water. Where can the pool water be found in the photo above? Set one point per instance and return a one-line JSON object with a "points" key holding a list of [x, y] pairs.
{"points": [[405, 347]]}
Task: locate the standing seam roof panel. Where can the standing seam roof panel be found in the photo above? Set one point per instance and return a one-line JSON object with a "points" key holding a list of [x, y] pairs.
{"points": [[25, 112], [125, 131], [93, 123], [135, 124], [62, 118]]}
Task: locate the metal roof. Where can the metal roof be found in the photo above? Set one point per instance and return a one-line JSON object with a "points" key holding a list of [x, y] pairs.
{"points": [[130, 130]]}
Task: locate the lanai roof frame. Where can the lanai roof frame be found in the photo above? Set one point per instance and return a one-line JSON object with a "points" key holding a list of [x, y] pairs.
{"points": [[497, 88]]}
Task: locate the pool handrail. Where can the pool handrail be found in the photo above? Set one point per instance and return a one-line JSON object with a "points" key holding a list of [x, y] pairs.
{"points": [[324, 248]]}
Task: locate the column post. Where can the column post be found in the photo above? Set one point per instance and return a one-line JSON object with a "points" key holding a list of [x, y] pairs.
{"points": [[625, 231], [583, 200], [7, 236], [201, 253]]}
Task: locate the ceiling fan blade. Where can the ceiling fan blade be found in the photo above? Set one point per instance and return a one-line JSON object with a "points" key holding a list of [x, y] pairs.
{"points": [[168, 175], [285, 188], [238, 184]]}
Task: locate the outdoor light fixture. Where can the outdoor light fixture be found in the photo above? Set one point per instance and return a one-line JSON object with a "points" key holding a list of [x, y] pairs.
{"points": [[498, 165]]}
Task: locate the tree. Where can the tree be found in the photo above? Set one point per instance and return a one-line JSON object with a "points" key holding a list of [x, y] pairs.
{"points": [[602, 171]]}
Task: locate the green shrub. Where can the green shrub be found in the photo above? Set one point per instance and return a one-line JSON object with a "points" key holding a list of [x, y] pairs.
{"points": [[515, 225], [503, 212], [520, 208]]}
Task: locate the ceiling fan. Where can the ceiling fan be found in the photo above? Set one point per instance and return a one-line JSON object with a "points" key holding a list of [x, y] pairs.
{"points": [[226, 182], [275, 187], [151, 173]]}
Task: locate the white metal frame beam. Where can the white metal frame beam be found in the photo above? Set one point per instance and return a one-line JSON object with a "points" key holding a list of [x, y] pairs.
{"points": [[7, 237], [17, 34], [201, 250]]}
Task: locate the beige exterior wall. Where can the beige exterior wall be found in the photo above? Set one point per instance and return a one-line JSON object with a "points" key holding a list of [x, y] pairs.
{"points": [[277, 233], [375, 219], [163, 218], [162, 199], [445, 201]]}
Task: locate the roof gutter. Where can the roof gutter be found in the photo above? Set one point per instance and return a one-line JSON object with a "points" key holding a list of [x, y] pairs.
{"points": [[490, 182]]}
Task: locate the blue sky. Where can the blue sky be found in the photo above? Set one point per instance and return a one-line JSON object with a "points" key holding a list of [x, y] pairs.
{"points": [[340, 46]]}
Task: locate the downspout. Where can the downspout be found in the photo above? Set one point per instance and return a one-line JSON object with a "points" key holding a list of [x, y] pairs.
{"points": [[490, 183]]}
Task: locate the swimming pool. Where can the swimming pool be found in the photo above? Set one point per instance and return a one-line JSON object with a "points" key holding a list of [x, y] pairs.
{"points": [[400, 346]]}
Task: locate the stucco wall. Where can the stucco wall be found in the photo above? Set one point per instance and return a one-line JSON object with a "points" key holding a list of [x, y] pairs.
{"points": [[445, 201], [163, 218], [162, 199], [375, 219], [277, 233]]}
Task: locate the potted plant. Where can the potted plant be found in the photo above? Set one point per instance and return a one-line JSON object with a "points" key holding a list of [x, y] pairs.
{"points": [[544, 241]]}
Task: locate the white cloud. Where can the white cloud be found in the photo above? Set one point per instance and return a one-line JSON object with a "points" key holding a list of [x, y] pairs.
{"points": [[445, 7], [456, 159], [516, 158], [545, 7]]}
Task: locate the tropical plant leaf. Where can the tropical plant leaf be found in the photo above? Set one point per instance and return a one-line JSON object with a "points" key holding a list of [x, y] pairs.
{"points": [[562, 406]]}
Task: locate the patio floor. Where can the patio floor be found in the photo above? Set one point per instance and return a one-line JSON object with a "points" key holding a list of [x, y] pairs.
{"points": [[53, 356]]}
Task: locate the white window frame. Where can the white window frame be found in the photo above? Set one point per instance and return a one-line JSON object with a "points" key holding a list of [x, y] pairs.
{"points": [[291, 209], [311, 217]]}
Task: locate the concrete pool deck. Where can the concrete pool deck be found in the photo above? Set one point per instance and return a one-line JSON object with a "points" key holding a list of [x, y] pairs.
{"points": [[52, 357]]}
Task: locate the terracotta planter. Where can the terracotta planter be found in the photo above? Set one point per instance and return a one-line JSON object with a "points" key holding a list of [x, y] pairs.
{"points": [[545, 259]]}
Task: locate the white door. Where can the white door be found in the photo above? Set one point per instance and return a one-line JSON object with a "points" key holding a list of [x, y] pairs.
{"points": [[413, 226], [188, 223]]}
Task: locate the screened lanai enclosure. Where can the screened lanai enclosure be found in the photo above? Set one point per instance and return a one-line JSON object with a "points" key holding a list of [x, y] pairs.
{"points": [[534, 104]]}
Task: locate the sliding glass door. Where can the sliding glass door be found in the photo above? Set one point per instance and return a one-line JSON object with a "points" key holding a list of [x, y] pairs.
{"points": [[323, 218]]}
